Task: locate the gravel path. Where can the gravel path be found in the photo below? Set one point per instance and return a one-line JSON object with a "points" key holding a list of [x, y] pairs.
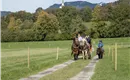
{"points": [[48, 71], [87, 72]]}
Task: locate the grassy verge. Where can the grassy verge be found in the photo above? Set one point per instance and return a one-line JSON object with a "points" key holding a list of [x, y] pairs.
{"points": [[105, 68]]}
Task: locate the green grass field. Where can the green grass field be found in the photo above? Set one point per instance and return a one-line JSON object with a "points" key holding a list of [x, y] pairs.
{"points": [[105, 68], [43, 56], [75, 68], [92, 24]]}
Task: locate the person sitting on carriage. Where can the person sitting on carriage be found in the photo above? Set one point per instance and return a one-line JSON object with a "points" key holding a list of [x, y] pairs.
{"points": [[89, 41], [100, 45], [79, 37]]}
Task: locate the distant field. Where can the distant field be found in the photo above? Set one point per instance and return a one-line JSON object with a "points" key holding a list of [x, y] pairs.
{"points": [[92, 24], [42, 56]]}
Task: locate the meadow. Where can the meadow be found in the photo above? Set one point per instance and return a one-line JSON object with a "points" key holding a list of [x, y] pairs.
{"points": [[43, 56], [105, 67]]}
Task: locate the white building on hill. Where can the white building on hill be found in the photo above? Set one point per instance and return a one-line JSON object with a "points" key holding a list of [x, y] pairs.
{"points": [[62, 4]]}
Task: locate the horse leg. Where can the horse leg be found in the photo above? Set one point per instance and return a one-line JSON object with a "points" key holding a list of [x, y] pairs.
{"points": [[101, 55], [77, 56], [74, 57], [86, 54], [89, 55], [83, 54]]}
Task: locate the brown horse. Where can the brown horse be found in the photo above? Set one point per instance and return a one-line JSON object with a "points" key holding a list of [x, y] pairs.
{"points": [[100, 53], [75, 48]]}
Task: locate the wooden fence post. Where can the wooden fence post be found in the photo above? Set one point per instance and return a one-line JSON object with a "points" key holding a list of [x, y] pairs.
{"points": [[115, 56], [28, 57], [112, 53], [57, 53]]}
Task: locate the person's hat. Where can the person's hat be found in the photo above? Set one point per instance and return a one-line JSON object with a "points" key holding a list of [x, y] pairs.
{"points": [[100, 40]]}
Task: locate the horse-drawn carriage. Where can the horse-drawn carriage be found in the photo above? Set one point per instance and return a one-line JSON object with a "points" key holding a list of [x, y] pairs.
{"points": [[81, 47]]}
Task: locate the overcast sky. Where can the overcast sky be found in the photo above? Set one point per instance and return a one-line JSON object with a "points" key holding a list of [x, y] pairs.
{"points": [[32, 5]]}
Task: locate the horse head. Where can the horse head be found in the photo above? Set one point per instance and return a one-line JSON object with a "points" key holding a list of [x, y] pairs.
{"points": [[83, 42]]}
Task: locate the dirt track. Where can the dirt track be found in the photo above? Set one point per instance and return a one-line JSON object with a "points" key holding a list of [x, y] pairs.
{"points": [[48, 71], [87, 72]]}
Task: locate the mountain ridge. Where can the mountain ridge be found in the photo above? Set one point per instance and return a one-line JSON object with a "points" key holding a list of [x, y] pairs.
{"points": [[77, 4], [4, 13]]}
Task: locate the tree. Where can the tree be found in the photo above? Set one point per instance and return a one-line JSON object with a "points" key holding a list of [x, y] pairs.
{"points": [[86, 14], [101, 28], [76, 26], [12, 23], [124, 1], [120, 29], [96, 13], [65, 16], [120, 12], [44, 25], [4, 24], [27, 24], [23, 15], [38, 12], [51, 10], [119, 18], [18, 23]]}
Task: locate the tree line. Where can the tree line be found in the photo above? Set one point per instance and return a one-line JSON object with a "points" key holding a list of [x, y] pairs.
{"points": [[108, 21]]}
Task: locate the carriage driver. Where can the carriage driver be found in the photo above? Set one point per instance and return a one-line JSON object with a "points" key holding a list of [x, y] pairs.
{"points": [[79, 38], [89, 41]]}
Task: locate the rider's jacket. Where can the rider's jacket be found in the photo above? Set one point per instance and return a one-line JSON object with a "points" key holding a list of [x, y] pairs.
{"points": [[100, 45]]}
